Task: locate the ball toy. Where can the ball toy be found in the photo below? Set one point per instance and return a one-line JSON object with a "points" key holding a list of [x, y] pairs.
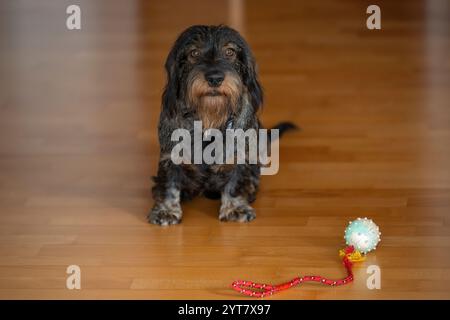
{"points": [[363, 234]]}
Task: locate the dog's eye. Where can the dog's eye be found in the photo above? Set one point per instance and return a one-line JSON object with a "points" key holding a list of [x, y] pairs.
{"points": [[195, 53], [229, 52]]}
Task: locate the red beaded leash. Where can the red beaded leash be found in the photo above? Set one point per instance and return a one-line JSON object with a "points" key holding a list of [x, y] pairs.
{"points": [[260, 290]]}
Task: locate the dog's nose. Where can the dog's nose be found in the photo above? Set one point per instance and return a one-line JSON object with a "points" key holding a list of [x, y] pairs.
{"points": [[214, 78]]}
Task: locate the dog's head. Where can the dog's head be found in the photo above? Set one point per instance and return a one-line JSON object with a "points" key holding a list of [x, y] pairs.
{"points": [[211, 70]]}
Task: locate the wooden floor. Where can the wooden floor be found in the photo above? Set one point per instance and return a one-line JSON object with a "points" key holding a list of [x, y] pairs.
{"points": [[78, 113]]}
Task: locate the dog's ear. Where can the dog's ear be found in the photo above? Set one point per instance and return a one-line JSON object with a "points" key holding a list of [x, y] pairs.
{"points": [[251, 82], [170, 94]]}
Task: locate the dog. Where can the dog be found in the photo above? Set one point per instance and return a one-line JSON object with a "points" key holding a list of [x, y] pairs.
{"points": [[211, 77]]}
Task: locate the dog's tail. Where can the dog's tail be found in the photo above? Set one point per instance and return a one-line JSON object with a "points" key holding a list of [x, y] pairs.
{"points": [[284, 127]]}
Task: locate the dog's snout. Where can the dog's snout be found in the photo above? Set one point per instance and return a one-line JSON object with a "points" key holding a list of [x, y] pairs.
{"points": [[214, 77]]}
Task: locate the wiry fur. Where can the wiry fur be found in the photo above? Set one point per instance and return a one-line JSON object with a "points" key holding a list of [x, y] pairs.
{"points": [[214, 110], [201, 51]]}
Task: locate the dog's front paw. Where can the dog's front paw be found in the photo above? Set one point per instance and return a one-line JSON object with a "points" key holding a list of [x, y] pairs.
{"points": [[163, 216], [239, 213]]}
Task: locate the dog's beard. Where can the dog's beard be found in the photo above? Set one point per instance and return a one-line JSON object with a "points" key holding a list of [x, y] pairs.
{"points": [[214, 105]]}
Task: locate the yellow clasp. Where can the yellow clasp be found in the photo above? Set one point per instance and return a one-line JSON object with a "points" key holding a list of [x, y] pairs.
{"points": [[354, 256]]}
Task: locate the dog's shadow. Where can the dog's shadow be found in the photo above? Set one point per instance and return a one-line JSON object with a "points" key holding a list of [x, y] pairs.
{"points": [[201, 208]]}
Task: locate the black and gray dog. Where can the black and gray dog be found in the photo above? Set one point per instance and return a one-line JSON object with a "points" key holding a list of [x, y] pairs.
{"points": [[212, 77]]}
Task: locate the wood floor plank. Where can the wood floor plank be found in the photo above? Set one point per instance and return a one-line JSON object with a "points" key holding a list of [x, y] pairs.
{"points": [[79, 145]]}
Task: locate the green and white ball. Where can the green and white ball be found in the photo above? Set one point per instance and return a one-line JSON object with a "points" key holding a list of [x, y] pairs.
{"points": [[363, 234]]}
